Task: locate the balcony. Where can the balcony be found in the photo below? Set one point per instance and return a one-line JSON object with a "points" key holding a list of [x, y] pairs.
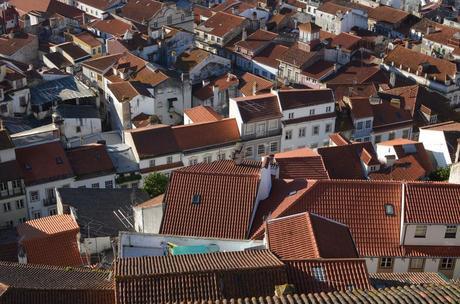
{"points": [[50, 201], [11, 192]]}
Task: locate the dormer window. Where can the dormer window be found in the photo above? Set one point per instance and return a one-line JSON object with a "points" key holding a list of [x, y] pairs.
{"points": [[420, 231], [451, 232], [196, 199]]}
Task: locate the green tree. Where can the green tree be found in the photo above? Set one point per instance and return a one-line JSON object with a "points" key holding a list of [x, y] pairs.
{"points": [[155, 184], [441, 174]]}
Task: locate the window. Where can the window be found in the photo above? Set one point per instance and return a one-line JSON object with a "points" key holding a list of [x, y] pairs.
{"points": [[328, 128], [359, 126], [36, 214], [7, 207], [368, 124], [169, 159], [288, 135], [405, 134], [391, 136], [314, 146], [196, 199], [95, 185], [291, 115], [34, 196], [302, 132], [17, 183], [207, 159], [221, 156], [274, 147], [417, 264], [312, 112], [78, 129], [152, 163], [272, 124], [22, 220], [328, 109], [378, 138], [250, 129], [193, 161], [420, 231], [315, 130], [9, 223], [386, 263], [19, 204], [447, 264], [109, 184], [318, 273], [451, 232], [52, 211], [389, 209], [248, 152], [261, 149]]}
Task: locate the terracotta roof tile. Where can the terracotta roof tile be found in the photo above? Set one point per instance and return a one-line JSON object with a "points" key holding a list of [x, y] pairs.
{"points": [[358, 204], [256, 40], [270, 55], [9, 46], [293, 99], [221, 24], [197, 277], [258, 107], [435, 68], [301, 163], [44, 163], [141, 11], [415, 294], [250, 84], [346, 41], [154, 141], [51, 240], [90, 161], [296, 56], [112, 26], [202, 114], [225, 194], [324, 275], [393, 279], [189, 59], [332, 8], [387, 14], [309, 236], [406, 168], [206, 134], [419, 206]]}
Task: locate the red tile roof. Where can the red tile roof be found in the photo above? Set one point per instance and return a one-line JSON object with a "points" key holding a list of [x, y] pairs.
{"points": [[309, 236], [420, 207], [406, 168], [270, 55], [10, 45], [44, 163], [346, 41], [51, 240], [441, 69], [141, 11], [301, 163], [221, 23], [391, 279], [227, 194], [197, 277], [112, 26], [207, 134], [326, 275], [387, 14], [90, 161], [358, 204], [153, 141], [202, 114], [298, 98], [250, 84], [258, 107], [256, 40]]}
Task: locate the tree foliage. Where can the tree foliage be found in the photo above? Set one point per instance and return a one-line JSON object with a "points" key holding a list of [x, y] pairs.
{"points": [[155, 184], [441, 174]]}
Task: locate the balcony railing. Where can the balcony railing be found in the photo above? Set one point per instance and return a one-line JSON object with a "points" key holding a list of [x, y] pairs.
{"points": [[50, 201], [11, 192]]}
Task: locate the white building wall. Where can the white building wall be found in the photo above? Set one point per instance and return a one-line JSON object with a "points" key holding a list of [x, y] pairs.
{"points": [[100, 180], [148, 220], [398, 133], [214, 153], [38, 205], [7, 155], [435, 143], [434, 236], [87, 126]]}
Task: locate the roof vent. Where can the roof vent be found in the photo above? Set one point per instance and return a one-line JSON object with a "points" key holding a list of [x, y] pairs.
{"points": [[196, 199], [389, 209], [59, 160]]}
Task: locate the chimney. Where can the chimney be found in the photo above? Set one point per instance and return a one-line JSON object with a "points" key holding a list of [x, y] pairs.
{"points": [[254, 88], [244, 35]]}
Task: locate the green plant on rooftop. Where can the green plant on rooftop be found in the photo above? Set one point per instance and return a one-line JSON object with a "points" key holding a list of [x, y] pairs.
{"points": [[155, 184], [441, 174]]}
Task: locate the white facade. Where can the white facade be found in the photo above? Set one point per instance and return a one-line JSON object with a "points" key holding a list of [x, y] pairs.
{"points": [[148, 219], [41, 198], [310, 133], [435, 143], [213, 65], [341, 21], [104, 181], [93, 11], [79, 127]]}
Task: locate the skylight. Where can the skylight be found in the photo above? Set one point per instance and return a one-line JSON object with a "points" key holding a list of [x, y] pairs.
{"points": [[196, 199], [389, 209]]}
